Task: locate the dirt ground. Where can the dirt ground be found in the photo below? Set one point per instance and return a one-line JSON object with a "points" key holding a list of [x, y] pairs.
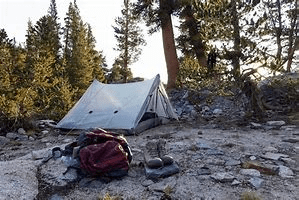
{"points": [[202, 152]]}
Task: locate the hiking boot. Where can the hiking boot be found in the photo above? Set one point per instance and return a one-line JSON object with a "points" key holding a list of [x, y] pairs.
{"points": [[167, 160], [151, 155]]}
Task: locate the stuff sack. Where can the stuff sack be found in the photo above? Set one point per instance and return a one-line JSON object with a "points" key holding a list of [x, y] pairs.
{"points": [[105, 153]]}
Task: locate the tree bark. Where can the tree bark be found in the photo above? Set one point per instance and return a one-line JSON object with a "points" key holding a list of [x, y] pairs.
{"points": [[237, 41], [170, 54]]}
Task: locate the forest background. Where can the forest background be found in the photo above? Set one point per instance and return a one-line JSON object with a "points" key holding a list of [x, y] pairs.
{"points": [[46, 76]]}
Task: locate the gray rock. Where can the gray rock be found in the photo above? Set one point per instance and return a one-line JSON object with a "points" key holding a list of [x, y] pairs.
{"points": [[56, 197], [22, 137], [202, 144], [291, 140], [250, 172], [288, 127], [270, 149], [285, 172], [256, 182], [223, 177], [162, 172], [56, 174], [18, 180], [236, 182], [147, 182], [252, 158], [275, 123], [16, 136], [12, 136], [203, 171], [232, 162], [255, 125], [4, 140], [215, 161], [21, 131], [274, 156], [45, 132], [40, 154], [31, 138], [217, 111], [214, 152], [161, 186]]}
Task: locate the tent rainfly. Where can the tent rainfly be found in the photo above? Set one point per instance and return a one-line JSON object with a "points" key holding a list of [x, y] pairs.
{"points": [[132, 107]]}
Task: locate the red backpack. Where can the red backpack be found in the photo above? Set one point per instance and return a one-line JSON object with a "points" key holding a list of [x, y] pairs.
{"points": [[105, 153]]}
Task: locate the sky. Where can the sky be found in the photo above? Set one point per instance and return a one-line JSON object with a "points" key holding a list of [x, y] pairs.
{"points": [[100, 14]]}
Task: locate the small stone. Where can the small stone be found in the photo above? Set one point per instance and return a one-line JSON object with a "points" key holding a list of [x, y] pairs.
{"points": [[56, 197], [285, 172], [68, 140], [255, 125], [203, 145], [288, 127], [270, 149], [147, 182], [291, 140], [203, 171], [22, 137], [256, 182], [223, 177], [215, 152], [44, 132], [15, 136], [44, 140], [252, 158], [274, 156], [275, 123], [250, 172], [217, 111], [12, 136], [40, 154], [236, 182], [4, 140], [31, 138], [21, 131], [232, 162], [215, 161], [288, 160]]}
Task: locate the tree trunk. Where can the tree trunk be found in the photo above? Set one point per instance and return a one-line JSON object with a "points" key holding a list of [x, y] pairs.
{"points": [[278, 35], [171, 57], [292, 36], [237, 41]]}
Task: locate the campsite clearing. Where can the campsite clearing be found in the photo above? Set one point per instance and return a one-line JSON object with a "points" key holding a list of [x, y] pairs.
{"points": [[211, 160]]}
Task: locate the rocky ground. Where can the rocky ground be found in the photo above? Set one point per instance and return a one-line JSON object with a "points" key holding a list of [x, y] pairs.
{"points": [[215, 163], [220, 153]]}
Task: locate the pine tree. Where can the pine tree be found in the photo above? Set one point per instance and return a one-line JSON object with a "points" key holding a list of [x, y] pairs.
{"points": [[232, 24], [41, 60], [282, 28], [14, 104], [97, 61], [82, 62], [190, 41], [54, 39], [129, 38]]}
